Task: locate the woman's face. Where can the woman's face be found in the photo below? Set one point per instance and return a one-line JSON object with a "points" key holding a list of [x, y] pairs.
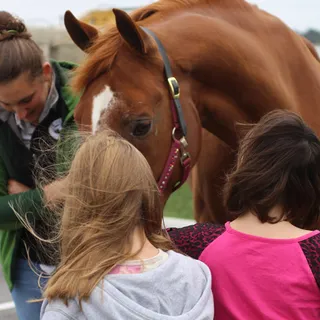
{"points": [[26, 96]]}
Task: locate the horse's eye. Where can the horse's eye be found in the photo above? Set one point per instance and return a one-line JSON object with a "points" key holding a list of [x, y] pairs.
{"points": [[141, 128]]}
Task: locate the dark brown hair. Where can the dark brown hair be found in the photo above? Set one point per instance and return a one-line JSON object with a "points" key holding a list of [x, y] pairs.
{"points": [[18, 52], [278, 164]]}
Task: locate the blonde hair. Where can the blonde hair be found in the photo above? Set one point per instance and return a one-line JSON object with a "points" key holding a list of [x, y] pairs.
{"points": [[110, 191]]}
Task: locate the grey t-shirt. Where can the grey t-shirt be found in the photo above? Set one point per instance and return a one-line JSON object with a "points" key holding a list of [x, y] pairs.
{"points": [[180, 289]]}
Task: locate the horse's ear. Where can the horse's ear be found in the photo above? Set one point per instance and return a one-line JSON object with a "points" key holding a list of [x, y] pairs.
{"points": [[82, 34], [129, 31]]}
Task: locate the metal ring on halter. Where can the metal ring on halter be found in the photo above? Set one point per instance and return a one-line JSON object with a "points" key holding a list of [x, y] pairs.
{"points": [[182, 140], [182, 145], [174, 134]]}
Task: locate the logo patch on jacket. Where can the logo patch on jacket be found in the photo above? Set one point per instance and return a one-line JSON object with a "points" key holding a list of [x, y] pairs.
{"points": [[55, 128]]}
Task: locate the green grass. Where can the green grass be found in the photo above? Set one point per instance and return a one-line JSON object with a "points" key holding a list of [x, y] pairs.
{"points": [[179, 204]]}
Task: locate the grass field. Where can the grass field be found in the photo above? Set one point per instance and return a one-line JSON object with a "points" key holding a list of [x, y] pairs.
{"points": [[180, 204]]}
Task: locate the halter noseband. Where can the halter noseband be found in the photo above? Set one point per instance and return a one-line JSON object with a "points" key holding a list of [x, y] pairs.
{"points": [[179, 125]]}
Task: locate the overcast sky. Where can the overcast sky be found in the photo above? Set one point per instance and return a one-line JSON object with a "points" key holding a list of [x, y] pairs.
{"points": [[298, 14]]}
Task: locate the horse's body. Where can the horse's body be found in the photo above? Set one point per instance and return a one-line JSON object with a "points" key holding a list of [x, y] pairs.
{"points": [[234, 63]]}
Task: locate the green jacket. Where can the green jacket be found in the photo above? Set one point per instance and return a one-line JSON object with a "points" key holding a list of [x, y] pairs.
{"points": [[13, 163]]}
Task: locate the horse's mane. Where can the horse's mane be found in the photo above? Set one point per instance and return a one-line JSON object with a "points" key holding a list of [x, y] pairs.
{"points": [[105, 48]]}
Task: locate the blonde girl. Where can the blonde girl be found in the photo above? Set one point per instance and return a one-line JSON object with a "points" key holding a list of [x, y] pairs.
{"points": [[116, 261]]}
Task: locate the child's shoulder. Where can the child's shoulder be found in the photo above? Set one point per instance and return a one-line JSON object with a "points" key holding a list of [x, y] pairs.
{"points": [[312, 243], [311, 250], [188, 273], [57, 309], [187, 264]]}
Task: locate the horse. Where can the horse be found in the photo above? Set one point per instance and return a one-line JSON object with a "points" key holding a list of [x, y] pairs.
{"points": [[176, 76]]}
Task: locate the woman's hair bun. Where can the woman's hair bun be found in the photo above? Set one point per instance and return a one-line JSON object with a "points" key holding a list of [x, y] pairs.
{"points": [[12, 27]]}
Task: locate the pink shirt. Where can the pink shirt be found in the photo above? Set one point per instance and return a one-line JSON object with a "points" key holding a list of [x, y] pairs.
{"points": [[261, 278], [140, 266]]}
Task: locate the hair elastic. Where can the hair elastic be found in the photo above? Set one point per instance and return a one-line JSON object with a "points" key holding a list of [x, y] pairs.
{"points": [[12, 31]]}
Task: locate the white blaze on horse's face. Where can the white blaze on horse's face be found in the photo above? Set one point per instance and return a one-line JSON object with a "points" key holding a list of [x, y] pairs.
{"points": [[101, 102]]}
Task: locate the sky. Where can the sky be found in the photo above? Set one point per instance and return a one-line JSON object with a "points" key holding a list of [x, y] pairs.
{"points": [[298, 14]]}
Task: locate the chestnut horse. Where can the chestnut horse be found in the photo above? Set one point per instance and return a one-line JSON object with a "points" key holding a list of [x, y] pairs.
{"points": [[225, 61]]}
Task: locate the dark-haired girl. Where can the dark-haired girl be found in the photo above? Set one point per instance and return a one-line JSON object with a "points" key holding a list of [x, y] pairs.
{"points": [[265, 263]]}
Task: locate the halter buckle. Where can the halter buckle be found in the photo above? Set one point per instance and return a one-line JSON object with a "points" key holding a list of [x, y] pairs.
{"points": [[174, 87], [184, 154], [184, 142]]}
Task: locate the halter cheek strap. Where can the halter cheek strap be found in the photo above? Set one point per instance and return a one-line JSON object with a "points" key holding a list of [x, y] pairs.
{"points": [[179, 131]]}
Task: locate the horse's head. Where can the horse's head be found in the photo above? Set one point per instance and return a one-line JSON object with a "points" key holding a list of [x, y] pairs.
{"points": [[125, 88]]}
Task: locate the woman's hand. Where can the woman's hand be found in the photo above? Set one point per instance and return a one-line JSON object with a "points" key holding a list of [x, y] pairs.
{"points": [[54, 192], [15, 187]]}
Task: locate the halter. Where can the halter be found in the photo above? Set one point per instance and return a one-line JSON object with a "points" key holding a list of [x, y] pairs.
{"points": [[179, 126]]}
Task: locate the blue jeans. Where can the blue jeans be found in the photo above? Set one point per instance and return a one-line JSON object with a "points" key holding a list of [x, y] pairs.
{"points": [[25, 287]]}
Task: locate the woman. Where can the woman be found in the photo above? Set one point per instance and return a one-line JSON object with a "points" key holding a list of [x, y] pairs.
{"points": [[116, 261], [36, 110], [265, 263]]}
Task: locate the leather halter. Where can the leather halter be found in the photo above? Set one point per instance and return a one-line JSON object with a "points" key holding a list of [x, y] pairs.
{"points": [[179, 126]]}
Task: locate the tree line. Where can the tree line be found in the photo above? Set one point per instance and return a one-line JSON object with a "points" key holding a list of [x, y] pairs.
{"points": [[312, 35]]}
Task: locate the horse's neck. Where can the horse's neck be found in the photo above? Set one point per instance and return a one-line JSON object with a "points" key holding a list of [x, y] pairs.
{"points": [[233, 75]]}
